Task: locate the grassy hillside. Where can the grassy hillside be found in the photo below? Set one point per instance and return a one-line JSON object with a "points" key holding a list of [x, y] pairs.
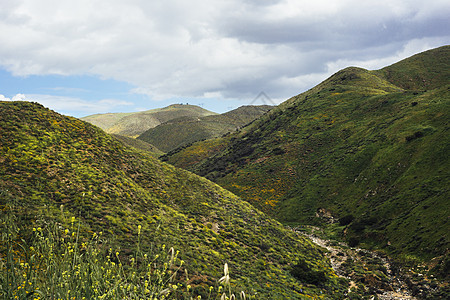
{"points": [[134, 124], [57, 169], [420, 72], [105, 121], [368, 147], [138, 144], [192, 155], [182, 131]]}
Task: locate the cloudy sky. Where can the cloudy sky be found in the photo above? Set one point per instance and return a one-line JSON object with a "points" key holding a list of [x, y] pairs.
{"points": [[94, 56]]}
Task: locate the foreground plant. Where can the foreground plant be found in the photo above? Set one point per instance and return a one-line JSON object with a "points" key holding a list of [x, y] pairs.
{"points": [[225, 282], [53, 262]]}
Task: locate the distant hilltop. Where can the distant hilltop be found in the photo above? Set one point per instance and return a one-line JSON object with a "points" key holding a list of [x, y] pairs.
{"points": [[135, 123]]}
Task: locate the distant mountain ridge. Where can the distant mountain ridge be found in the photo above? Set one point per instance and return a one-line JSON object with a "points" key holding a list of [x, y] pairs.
{"points": [[185, 130], [368, 147], [135, 123]]}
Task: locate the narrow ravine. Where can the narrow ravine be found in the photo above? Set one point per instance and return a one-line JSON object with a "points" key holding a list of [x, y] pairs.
{"points": [[364, 269]]}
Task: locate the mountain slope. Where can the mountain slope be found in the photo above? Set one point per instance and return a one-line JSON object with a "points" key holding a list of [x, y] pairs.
{"points": [[50, 163], [105, 121], [371, 147], [182, 131], [138, 144], [134, 124], [420, 72]]}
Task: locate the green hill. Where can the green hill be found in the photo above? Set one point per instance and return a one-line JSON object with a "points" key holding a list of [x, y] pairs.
{"points": [[54, 168], [422, 71], [369, 148], [185, 130], [106, 121], [134, 124], [138, 144]]}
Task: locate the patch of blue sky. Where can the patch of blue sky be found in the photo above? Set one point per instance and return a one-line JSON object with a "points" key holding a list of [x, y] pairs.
{"points": [[83, 86]]}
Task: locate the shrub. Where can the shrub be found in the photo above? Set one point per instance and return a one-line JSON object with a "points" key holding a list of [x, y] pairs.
{"points": [[353, 242], [303, 272], [345, 220], [416, 135]]}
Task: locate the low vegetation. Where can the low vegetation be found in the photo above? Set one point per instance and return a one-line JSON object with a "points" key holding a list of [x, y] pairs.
{"points": [[55, 169], [139, 145], [363, 157], [57, 262]]}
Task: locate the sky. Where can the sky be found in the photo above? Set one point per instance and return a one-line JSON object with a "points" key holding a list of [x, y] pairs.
{"points": [[97, 56]]}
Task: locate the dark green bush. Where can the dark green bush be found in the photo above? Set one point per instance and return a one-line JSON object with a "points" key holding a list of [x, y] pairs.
{"points": [[353, 242], [416, 135], [345, 220], [304, 273]]}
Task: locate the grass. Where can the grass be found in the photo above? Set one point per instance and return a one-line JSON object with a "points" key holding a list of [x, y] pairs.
{"points": [[420, 72], [139, 145], [57, 262]]}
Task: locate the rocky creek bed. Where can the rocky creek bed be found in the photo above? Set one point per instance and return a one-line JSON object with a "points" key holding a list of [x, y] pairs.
{"points": [[373, 275]]}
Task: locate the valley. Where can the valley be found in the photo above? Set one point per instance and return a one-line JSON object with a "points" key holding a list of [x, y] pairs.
{"points": [[355, 147], [340, 192], [55, 169], [367, 149]]}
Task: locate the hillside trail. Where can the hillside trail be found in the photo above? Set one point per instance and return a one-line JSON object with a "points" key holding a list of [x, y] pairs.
{"points": [[340, 254]]}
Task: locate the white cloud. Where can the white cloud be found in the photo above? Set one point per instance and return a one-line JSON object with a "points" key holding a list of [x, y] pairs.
{"points": [[229, 48], [19, 97], [3, 98]]}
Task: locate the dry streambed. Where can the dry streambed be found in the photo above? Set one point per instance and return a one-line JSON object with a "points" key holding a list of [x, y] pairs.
{"points": [[368, 272]]}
